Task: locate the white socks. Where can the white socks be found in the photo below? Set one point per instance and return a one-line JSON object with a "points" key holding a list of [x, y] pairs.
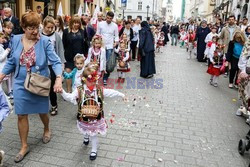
{"points": [[9, 82], [94, 142], [86, 138]]}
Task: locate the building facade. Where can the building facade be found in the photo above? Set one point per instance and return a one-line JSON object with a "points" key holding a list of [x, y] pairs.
{"points": [[143, 9], [187, 13], [241, 9], [202, 10], [169, 11], [70, 7]]}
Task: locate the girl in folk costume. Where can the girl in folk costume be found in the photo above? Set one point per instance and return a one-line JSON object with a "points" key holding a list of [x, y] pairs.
{"points": [[156, 34], [216, 57], [89, 97], [97, 53], [160, 42], [209, 39], [125, 39], [122, 65], [75, 74], [190, 42]]}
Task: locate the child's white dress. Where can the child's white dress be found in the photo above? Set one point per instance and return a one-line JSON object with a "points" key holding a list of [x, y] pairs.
{"points": [[208, 39], [97, 126]]}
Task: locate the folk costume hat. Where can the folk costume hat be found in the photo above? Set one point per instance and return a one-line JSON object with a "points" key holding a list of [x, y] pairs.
{"points": [[90, 73]]}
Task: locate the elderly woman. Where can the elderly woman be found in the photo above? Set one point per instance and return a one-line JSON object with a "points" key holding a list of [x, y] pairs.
{"points": [[74, 41], [31, 51], [201, 34], [146, 47]]}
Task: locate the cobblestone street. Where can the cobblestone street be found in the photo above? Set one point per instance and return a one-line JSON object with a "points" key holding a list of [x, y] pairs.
{"points": [[184, 123]]}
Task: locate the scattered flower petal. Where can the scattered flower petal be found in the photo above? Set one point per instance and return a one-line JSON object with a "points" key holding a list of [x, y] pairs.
{"points": [[160, 159], [111, 121], [120, 159]]}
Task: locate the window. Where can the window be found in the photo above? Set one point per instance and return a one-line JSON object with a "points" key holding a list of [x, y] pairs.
{"points": [[139, 5]]}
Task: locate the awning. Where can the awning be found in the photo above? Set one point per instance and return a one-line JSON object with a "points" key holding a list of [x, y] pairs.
{"points": [[11, 1]]}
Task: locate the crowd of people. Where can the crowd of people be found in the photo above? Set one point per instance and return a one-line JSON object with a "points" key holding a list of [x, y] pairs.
{"points": [[224, 47], [39, 53]]}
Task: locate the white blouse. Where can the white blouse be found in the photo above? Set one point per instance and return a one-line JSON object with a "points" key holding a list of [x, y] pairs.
{"points": [[71, 97], [102, 58]]}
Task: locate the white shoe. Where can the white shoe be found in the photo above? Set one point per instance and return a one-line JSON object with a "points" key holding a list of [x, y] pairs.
{"points": [[238, 113], [230, 85], [1, 157]]}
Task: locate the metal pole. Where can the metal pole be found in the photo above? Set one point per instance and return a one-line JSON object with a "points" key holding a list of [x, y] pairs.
{"points": [[46, 10], [123, 14], [147, 12], [153, 8], [227, 10]]}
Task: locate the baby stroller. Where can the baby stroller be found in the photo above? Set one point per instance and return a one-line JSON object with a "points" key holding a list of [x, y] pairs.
{"points": [[244, 110]]}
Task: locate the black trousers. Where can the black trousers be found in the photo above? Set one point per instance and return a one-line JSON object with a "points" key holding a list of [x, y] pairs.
{"points": [[52, 94], [133, 48], [233, 75]]}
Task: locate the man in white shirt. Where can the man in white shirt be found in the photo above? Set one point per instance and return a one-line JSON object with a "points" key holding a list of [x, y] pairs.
{"points": [[109, 32], [244, 25], [136, 28]]}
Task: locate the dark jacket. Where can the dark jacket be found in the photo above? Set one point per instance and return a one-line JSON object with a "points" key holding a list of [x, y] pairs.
{"points": [[146, 39], [174, 30], [230, 51], [90, 32], [74, 43], [15, 21], [165, 29], [131, 33]]}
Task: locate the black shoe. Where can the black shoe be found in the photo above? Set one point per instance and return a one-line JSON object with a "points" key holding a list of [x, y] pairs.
{"points": [[93, 156], [53, 111], [86, 141], [104, 82], [150, 76]]}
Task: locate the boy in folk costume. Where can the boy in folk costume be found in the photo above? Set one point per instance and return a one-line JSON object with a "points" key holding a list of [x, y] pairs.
{"points": [[123, 64], [182, 37], [89, 97], [216, 58]]}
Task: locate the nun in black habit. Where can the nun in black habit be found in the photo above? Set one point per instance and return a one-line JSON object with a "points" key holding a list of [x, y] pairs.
{"points": [[146, 47], [201, 34]]}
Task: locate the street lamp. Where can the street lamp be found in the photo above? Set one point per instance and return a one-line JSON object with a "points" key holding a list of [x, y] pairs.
{"points": [[147, 10]]}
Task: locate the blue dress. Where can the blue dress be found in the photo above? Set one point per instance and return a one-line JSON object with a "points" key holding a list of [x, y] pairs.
{"points": [[26, 102]]}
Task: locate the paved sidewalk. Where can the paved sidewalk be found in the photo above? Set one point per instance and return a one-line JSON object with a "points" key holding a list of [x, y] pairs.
{"points": [[184, 123]]}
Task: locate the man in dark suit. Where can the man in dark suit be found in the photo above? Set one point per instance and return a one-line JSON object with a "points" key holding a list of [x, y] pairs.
{"points": [[8, 16]]}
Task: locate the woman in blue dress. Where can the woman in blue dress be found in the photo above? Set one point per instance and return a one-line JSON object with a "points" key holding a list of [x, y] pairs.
{"points": [[31, 51]]}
